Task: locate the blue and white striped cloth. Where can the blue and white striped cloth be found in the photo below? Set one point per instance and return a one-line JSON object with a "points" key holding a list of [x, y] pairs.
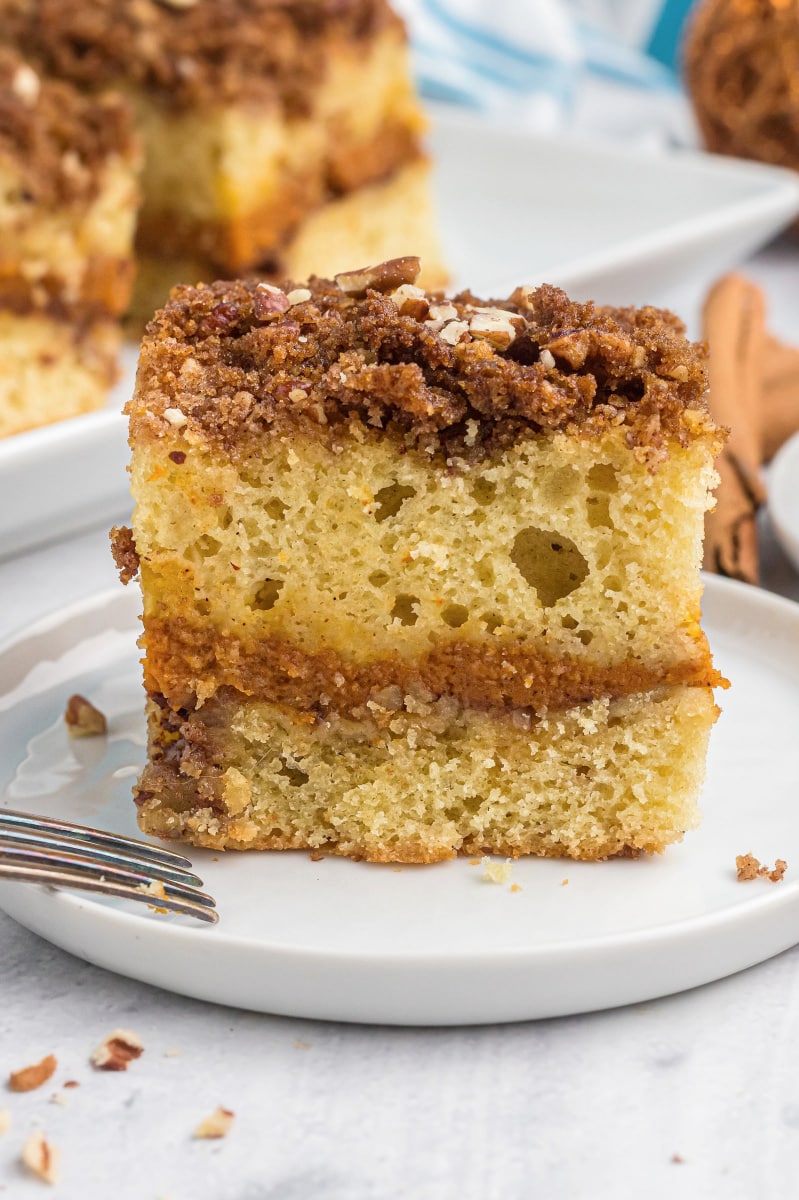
{"points": [[598, 66]]}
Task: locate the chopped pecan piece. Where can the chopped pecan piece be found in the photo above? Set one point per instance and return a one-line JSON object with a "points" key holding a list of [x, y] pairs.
{"points": [[411, 301], [26, 84], [28, 1078], [495, 325], [40, 1157], [298, 296], [383, 277], [83, 719], [215, 1126], [117, 1050], [222, 318], [269, 302], [453, 331]]}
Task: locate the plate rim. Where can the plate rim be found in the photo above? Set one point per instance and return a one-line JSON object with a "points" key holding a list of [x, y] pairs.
{"points": [[439, 961]]}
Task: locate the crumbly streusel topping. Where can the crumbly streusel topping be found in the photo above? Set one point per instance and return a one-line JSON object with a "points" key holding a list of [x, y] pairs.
{"points": [[466, 376], [192, 51], [57, 139]]}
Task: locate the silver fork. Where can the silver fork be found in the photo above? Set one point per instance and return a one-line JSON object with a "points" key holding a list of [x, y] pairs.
{"points": [[37, 849]]}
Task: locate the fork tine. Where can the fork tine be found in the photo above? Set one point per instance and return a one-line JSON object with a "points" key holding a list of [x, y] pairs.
{"points": [[85, 883], [79, 864], [96, 837], [51, 840]]}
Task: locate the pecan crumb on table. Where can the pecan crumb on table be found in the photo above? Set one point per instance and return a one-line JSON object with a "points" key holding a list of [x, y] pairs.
{"points": [[117, 1050], [28, 1078], [215, 1126]]}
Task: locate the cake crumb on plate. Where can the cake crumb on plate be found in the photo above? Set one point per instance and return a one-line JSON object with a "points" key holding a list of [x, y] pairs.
{"points": [[748, 867], [494, 872]]}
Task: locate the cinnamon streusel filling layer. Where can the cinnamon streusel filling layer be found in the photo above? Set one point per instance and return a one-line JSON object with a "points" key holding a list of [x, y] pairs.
{"points": [[186, 659]]}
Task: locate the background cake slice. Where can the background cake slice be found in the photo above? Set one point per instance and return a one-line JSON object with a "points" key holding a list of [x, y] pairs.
{"points": [[68, 198], [276, 135], [420, 576]]}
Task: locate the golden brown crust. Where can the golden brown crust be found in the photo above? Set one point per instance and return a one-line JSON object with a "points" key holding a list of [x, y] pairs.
{"points": [[213, 52], [365, 366], [158, 818], [56, 139], [478, 675]]}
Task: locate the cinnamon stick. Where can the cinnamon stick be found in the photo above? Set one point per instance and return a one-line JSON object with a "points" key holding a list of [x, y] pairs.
{"points": [[734, 328], [780, 399]]}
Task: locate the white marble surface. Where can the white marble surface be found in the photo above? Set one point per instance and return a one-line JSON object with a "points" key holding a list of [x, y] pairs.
{"points": [[696, 1095]]}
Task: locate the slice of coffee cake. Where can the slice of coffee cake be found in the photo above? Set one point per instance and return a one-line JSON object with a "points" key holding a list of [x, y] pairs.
{"points": [[275, 134], [420, 576], [68, 197]]}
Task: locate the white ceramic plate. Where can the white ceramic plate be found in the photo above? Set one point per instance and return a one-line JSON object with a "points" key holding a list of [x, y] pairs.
{"points": [[783, 497], [432, 945], [618, 224]]}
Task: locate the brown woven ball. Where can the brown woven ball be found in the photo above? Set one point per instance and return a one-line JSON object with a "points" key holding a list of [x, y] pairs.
{"points": [[742, 72]]}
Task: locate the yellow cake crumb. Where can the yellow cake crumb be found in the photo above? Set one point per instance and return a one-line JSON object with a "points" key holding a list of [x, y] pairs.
{"points": [[494, 872]]}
